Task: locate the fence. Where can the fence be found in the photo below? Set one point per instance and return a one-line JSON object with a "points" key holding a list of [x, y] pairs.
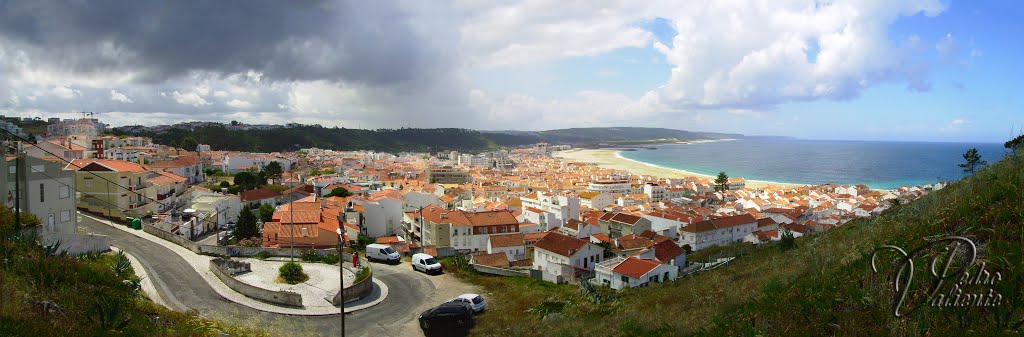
{"points": [[224, 268]]}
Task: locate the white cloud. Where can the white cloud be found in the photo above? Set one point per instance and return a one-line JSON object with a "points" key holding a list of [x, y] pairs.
{"points": [[956, 124], [189, 98], [65, 92], [947, 48], [239, 104], [119, 97]]}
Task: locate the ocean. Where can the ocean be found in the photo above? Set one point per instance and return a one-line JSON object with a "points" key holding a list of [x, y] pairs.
{"points": [[880, 165]]}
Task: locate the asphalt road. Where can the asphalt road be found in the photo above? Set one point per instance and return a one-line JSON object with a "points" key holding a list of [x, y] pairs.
{"points": [[184, 290]]}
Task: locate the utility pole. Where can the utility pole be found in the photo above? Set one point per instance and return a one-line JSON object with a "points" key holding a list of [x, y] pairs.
{"points": [[423, 244], [291, 226], [17, 190], [341, 274]]}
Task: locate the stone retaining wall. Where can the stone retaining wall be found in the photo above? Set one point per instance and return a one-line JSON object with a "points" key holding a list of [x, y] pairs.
{"points": [[359, 289], [500, 271], [224, 268], [233, 251]]}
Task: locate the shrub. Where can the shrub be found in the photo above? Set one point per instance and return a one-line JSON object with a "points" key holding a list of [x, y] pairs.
{"points": [[263, 255], [311, 256], [291, 273], [787, 241], [362, 274], [330, 259]]}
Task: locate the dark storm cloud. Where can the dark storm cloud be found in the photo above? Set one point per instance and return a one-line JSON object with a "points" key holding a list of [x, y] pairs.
{"points": [[377, 43]]}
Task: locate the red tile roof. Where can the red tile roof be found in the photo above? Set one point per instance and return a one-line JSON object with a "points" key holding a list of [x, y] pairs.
{"points": [[491, 260], [506, 240], [560, 244], [110, 164], [259, 194], [176, 162], [621, 218], [636, 267], [667, 250], [719, 223]]}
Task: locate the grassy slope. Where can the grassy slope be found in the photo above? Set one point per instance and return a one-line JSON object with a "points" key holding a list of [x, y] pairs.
{"points": [[822, 287], [80, 287]]}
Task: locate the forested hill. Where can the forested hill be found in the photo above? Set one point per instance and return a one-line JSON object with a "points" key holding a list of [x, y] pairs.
{"points": [[583, 136], [220, 137]]}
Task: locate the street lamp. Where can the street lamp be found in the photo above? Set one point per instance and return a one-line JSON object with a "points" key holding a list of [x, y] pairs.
{"points": [[341, 276]]}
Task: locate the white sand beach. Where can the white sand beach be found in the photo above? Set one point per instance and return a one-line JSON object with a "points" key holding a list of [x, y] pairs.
{"points": [[610, 159]]}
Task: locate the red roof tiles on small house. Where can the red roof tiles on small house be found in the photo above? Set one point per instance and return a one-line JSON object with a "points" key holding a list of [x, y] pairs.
{"points": [[636, 267], [560, 244]]}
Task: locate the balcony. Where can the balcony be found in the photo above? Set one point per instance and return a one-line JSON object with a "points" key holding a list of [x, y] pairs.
{"points": [[164, 195]]}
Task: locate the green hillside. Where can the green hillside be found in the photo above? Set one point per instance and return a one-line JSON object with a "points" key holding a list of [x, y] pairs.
{"points": [[823, 286], [405, 139], [42, 294], [291, 139]]}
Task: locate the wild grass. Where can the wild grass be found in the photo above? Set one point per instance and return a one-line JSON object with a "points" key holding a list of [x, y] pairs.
{"points": [[822, 286], [42, 294]]}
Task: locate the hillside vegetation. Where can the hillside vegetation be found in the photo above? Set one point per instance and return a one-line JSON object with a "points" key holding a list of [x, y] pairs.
{"points": [[823, 286], [43, 294], [405, 139]]}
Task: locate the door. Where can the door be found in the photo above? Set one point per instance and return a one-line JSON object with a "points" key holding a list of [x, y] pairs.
{"points": [[50, 223]]}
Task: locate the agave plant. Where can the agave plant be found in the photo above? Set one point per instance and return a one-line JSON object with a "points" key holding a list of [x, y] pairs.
{"points": [[109, 312], [121, 265]]}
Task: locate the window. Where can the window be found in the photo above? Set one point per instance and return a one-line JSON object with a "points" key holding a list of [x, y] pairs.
{"points": [[42, 193], [65, 216], [88, 183], [64, 192], [625, 279]]}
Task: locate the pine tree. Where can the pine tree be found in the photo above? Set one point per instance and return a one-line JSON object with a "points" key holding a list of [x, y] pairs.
{"points": [[246, 226], [722, 182], [972, 161]]}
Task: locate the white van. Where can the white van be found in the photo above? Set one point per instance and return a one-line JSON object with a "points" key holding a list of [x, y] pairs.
{"points": [[381, 252], [425, 263]]}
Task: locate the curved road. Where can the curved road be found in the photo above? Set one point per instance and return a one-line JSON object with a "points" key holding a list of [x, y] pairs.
{"points": [[184, 290]]}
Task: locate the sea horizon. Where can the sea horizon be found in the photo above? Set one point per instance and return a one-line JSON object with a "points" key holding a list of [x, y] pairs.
{"points": [[880, 165]]}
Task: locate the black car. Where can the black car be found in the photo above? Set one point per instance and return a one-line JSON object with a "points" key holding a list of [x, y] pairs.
{"points": [[447, 319]]}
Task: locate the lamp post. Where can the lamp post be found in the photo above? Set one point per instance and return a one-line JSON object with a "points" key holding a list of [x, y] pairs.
{"points": [[341, 276]]}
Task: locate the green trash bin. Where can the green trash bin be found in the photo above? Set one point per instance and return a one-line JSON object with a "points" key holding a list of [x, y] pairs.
{"points": [[136, 223]]}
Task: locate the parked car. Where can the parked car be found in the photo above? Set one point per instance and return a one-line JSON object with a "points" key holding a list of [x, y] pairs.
{"points": [[425, 263], [473, 301], [380, 252], [446, 319]]}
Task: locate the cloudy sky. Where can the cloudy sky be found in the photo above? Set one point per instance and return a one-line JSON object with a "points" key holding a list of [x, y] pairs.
{"points": [[875, 69]]}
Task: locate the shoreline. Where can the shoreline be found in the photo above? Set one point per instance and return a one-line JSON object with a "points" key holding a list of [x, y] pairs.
{"points": [[612, 159]]}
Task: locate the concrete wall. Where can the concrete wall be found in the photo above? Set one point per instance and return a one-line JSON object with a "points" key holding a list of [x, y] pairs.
{"points": [[220, 267], [230, 251], [357, 290], [77, 244], [500, 271]]}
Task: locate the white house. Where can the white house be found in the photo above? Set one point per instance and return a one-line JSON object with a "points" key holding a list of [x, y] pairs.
{"points": [[596, 200], [579, 229], [717, 232], [562, 207], [381, 217], [633, 272], [511, 244], [562, 258]]}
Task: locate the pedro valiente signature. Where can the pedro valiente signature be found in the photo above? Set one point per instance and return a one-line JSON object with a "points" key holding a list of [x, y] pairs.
{"points": [[951, 260]]}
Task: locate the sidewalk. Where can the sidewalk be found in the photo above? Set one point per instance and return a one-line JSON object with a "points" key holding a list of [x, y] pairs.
{"points": [[312, 305]]}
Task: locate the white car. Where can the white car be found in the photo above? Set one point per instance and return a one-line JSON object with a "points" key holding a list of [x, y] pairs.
{"points": [[474, 301], [425, 263]]}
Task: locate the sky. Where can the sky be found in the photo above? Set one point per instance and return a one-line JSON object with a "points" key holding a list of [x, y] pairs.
{"points": [[915, 70]]}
